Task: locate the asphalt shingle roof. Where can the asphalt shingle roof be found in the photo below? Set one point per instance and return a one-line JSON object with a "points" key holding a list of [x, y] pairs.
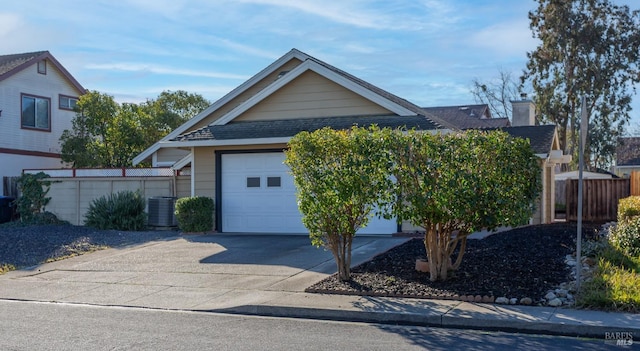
{"points": [[291, 127], [10, 62], [468, 116], [540, 137]]}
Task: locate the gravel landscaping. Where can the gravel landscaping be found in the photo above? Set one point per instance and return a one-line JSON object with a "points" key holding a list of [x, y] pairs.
{"points": [[33, 245], [525, 262]]}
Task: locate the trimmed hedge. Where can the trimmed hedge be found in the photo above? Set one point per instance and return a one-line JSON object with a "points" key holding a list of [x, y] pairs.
{"points": [[628, 208], [626, 235], [120, 211], [195, 214]]}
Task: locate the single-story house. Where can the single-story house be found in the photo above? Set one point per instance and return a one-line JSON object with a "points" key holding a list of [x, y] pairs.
{"points": [[234, 148]]}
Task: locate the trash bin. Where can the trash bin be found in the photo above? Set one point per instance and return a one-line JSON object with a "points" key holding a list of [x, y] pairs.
{"points": [[6, 208], [161, 211]]}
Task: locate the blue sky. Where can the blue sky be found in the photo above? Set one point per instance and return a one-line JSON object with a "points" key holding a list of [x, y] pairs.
{"points": [[426, 51]]}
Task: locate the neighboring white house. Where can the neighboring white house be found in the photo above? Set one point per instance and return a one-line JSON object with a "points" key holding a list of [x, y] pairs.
{"points": [[37, 96], [235, 146]]}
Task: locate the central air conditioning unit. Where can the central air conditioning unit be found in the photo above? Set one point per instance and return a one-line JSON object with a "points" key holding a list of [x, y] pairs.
{"points": [[161, 211]]}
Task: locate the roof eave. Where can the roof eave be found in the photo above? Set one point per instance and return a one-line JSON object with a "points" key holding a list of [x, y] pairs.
{"points": [[294, 53], [46, 55]]}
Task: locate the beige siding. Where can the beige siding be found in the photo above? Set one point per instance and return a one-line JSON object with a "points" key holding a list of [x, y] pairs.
{"points": [[171, 155], [29, 81], [183, 186], [204, 172], [71, 197], [12, 136], [235, 102], [311, 95]]}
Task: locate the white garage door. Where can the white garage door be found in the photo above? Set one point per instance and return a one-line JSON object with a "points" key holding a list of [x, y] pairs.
{"points": [[258, 196]]}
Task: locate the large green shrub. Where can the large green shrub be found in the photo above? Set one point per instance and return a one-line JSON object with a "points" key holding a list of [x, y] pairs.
{"points": [[121, 211], [33, 197], [628, 208], [626, 236], [194, 214]]}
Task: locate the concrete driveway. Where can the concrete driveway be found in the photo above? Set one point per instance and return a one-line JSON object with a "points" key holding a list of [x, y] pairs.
{"points": [[205, 272]]}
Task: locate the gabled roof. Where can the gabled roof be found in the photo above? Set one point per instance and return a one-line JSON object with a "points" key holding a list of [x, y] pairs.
{"points": [[628, 151], [385, 99], [468, 116], [541, 138], [14, 63], [291, 127]]}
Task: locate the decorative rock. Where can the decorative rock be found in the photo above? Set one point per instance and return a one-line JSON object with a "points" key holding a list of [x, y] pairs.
{"points": [[488, 299], [550, 296], [422, 265], [478, 298], [561, 292], [556, 302], [471, 298], [502, 300], [526, 301], [569, 297], [513, 301], [462, 297]]}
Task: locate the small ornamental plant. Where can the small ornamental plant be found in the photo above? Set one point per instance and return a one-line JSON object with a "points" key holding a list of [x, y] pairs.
{"points": [[120, 211], [195, 214]]}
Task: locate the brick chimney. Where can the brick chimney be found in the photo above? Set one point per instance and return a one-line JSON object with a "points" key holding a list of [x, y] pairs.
{"points": [[524, 112]]}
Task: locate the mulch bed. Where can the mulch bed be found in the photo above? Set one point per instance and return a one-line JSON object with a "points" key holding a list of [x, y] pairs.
{"points": [[523, 262]]}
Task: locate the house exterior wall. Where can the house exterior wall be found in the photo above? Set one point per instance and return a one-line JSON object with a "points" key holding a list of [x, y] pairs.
{"points": [[27, 148], [311, 95], [168, 156], [246, 95], [203, 172], [625, 171]]}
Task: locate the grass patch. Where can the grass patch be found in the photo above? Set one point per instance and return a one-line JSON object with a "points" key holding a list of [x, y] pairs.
{"points": [[73, 252], [615, 285], [6, 267]]}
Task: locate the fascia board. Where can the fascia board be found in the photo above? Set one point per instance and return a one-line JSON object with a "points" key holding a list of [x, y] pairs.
{"points": [[228, 142], [323, 71], [221, 102]]}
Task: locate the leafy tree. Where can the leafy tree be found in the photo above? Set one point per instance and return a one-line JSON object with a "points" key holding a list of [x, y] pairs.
{"points": [[497, 93], [340, 177], [588, 48], [107, 134], [171, 109], [455, 184], [88, 144]]}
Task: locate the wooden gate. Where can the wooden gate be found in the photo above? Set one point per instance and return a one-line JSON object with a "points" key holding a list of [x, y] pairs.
{"points": [[600, 198]]}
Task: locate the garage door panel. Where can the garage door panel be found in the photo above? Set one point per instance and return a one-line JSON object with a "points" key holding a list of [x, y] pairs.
{"points": [[266, 209]]}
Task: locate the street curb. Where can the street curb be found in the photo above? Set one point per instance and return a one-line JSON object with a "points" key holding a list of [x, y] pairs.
{"points": [[434, 320]]}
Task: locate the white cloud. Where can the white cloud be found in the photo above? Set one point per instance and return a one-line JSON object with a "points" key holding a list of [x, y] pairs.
{"points": [[506, 38], [9, 23], [142, 67]]}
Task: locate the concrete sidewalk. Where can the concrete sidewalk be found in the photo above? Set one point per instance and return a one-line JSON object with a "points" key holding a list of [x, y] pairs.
{"points": [[267, 275]]}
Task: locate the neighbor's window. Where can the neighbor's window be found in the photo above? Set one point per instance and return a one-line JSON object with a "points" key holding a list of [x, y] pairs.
{"points": [[42, 67], [36, 113], [273, 182], [253, 182], [67, 102]]}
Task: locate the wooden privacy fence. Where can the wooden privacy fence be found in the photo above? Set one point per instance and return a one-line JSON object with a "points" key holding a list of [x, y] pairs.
{"points": [[600, 198], [635, 183]]}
